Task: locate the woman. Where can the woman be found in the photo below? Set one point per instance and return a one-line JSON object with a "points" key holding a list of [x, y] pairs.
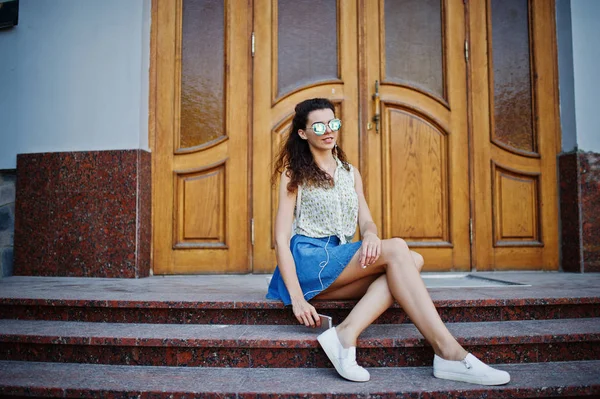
{"points": [[320, 199]]}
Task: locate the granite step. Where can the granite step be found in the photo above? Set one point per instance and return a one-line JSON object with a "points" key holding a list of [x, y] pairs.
{"points": [[248, 346], [540, 380], [264, 312], [240, 299]]}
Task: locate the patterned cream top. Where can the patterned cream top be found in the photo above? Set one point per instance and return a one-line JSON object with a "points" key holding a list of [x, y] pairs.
{"points": [[329, 211]]}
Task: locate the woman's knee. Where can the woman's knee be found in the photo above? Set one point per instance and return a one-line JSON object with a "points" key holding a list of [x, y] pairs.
{"points": [[394, 250], [398, 246], [418, 258]]}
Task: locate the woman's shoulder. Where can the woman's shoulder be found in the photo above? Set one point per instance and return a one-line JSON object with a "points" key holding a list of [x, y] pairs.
{"points": [[349, 168], [286, 175], [355, 174], [344, 164], [350, 172]]}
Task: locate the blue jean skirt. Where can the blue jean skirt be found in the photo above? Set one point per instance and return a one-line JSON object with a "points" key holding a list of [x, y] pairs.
{"points": [[319, 262]]}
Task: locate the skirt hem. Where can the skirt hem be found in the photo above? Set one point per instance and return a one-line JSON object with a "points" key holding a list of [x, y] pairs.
{"points": [[309, 254]]}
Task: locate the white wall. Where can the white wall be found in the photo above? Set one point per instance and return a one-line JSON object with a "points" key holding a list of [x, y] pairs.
{"points": [[74, 77], [565, 69], [585, 21], [578, 34]]}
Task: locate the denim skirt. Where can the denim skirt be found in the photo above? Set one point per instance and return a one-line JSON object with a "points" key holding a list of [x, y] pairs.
{"points": [[319, 262]]}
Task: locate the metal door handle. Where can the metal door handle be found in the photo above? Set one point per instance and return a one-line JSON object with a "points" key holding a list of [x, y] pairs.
{"points": [[376, 117]]}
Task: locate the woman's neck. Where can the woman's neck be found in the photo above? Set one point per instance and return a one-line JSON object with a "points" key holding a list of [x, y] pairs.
{"points": [[324, 159]]}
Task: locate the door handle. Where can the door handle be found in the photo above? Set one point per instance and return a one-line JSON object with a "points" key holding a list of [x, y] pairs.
{"points": [[376, 100]]}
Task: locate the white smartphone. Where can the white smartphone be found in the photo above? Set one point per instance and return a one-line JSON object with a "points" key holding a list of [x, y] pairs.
{"points": [[326, 322]]}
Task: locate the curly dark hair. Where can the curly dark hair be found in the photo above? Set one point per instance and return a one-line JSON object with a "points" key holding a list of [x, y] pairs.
{"points": [[295, 157]]}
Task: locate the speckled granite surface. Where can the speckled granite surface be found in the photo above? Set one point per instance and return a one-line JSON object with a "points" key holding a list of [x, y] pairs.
{"points": [[241, 300], [240, 291], [83, 214], [562, 379], [546, 334], [590, 200], [579, 175], [288, 346]]}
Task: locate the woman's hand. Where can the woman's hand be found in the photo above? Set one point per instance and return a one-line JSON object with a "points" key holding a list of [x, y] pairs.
{"points": [[370, 249], [306, 313]]}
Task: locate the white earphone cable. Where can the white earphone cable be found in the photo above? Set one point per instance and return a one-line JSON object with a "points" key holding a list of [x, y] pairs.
{"points": [[322, 266]]}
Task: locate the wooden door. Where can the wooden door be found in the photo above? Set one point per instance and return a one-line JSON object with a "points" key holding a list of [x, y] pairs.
{"points": [[200, 168], [515, 134], [221, 115], [415, 166], [415, 157], [304, 49]]}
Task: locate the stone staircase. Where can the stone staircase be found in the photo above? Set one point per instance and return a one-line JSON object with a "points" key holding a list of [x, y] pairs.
{"points": [[216, 336]]}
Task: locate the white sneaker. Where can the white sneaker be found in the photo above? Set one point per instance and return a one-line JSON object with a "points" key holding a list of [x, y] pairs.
{"points": [[344, 360], [470, 369]]}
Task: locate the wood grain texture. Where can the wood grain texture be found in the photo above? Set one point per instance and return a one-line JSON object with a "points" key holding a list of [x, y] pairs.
{"points": [[515, 205], [418, 168], [515, 208], [426, 173], [272, 114], [200, 211], [418, 183], [201, 220]]}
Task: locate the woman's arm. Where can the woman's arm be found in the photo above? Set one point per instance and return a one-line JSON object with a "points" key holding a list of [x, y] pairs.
{"points": [[304, 312], [371, 247]]}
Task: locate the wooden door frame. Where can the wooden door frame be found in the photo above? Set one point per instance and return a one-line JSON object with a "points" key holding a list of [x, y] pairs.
{"points": [[370, 15], [166, 106], [152, 103], [363, 100], [275, 111], [544, 81]]}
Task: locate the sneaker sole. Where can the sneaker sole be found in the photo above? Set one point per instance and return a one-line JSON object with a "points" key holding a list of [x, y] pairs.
{"points": [[465, 378], [335, 363]]}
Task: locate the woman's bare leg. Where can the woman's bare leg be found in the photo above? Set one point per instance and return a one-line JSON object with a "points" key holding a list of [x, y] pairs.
{"points": [[375, 298], [407, 287]]}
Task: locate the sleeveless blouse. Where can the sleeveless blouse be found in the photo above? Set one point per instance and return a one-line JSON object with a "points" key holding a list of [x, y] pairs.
{"points": [[329, 211]]}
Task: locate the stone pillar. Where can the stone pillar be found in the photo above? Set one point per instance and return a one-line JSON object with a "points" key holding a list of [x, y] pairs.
{"points": [[579, 162], [580, 211], [83, 214]]}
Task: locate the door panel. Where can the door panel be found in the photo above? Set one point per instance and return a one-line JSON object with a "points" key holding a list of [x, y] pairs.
{"points": [[414, 160], [200, 196], [420, 192], [415, 164], [297, 58], [514, 97]]}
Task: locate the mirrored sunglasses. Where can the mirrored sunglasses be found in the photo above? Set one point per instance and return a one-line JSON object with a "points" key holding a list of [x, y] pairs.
{"points": [[320, 128]]}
